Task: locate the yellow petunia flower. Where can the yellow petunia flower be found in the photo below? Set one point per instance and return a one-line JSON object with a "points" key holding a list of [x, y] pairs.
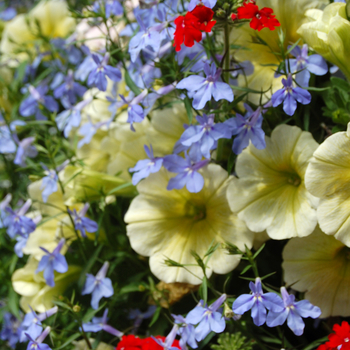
{"points": [[320, 266], [270, 193], [170, 224], [291, 16], [327, 32], [33, 289], [50, 19], [327, 177]]}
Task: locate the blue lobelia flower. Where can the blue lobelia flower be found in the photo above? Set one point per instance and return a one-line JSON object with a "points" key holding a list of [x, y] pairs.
{"points": [[69, 90], [25, 149], [37, 344], [71, 117], [292, 312], [167, 344], [10, 329], [51, 262], [3, 204], [17, 223], [207, 318], [7, 143], [258, 302], [186, 331], [138, 316], [8, 14], [304, 65], [136, 113], [49, 183], [112, 7], [32, 323], [145, 37], [203, 89], [97, 76], [204, 135], [207, 3], [99, 286], [187, 170], [100, 323], [145, 167], [247, 128], [37, 98], [81, 223], [289, 95]]}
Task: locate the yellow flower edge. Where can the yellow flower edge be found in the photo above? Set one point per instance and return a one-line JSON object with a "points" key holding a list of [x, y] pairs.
{"points": [[170, 224], [327, 177], [269, 193], [320, 266]]}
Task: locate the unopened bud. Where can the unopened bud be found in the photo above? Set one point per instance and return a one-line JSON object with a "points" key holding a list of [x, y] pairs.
{"points": [[76, 308], [228, 313], [142, 288]]}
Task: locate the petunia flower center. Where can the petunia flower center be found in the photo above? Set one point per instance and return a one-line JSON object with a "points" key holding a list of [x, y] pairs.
{"points": [[195, 211], [294, 180]]}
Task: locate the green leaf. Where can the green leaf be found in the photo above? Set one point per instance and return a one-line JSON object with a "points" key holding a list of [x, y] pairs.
{"points": [[188, 107], [155, 316], [203, 290], [130, 83], [69, 341], [120, 187], [88, 265], [247, 268], [259, 251], [231, 163]]}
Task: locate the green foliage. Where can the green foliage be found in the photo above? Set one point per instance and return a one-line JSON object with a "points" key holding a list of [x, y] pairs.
{"points": [[235, 341]]}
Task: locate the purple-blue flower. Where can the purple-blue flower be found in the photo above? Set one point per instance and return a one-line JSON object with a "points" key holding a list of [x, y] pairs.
{"points": [[99, 286], [289, 95], [37, 344], [8, 14], [145, 37], [207, 3], [145, 167], [138, 316], [10, 329], [17, 223], [187, 170], [32, 323], [207, 318], [247, 128], [203, 135], [168, 342], [203, 89], [97, 76], [258, 302], [304, 65], [100, 323], [7, 143], [136, 113], [37, 98], [71, 117], [186, 331], [69, 91], [293, 312], [82, 223], [25, 149], [112, 7], [51, 262]]}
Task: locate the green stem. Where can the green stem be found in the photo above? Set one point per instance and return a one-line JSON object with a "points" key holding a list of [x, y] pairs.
{"points": [[227, 53]]}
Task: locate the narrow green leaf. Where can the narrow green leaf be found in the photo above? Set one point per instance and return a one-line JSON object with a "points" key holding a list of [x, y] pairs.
{"points": [[259, 251], [247, 268], [69, 341], [155, 316], [130, 83], [188, 107]]}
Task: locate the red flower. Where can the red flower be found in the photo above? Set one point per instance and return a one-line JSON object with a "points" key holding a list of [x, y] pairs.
{"points": [[131, 342], [189, 27], [339, 339], [260, 19]]}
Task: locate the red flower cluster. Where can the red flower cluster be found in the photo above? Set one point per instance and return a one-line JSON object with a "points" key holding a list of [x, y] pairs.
{"points": [[189, 28], [338, 340], [260, 19], [130, 342]]}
